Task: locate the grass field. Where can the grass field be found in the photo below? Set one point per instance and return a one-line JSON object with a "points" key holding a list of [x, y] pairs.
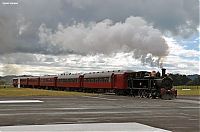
{"points": [[188, 90], [9, 91], [17, 92]]}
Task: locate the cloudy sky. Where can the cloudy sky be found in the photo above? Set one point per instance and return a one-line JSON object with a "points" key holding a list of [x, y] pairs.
{"points": [[39, 37]]}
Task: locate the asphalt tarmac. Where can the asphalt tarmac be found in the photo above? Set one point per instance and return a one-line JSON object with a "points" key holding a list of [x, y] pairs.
{"points": [[181, 115]]}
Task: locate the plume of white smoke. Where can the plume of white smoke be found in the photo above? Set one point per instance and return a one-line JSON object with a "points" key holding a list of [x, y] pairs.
{"points": [[134, 35]]}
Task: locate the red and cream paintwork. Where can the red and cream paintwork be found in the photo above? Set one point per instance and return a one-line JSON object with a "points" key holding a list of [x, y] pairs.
{"points": [[106, 80], [34, 82], [48, 81], [23, 81], [70, 81]]}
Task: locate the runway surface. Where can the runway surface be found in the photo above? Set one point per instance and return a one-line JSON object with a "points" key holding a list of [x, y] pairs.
{"points": [[180, 115]]}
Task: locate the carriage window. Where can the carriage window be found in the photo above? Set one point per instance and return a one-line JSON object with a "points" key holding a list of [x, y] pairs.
{"points": [[107, 79], [92, 80]]}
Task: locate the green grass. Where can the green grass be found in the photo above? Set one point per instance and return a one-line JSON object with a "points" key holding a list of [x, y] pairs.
{"points": [[9, 91], [17, 92], [185, 87], [188, 90]]}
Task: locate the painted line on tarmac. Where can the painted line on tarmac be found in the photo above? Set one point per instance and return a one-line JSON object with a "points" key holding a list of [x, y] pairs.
{"points": [[39, 109], [133, 127], [98, 98], [20, 101], [76, 112], [189, 107], [187, 101]]}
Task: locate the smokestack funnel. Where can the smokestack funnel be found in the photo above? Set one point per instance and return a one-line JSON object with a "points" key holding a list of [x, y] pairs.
{"points": [[163, 72]]}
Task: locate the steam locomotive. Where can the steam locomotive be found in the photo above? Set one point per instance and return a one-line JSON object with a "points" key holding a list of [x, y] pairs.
{"points": [[141, 83]]}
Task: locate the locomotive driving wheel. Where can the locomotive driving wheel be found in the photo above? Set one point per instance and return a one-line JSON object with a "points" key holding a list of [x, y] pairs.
{"points": [[147, 94], [141, 93], [167, 96]]}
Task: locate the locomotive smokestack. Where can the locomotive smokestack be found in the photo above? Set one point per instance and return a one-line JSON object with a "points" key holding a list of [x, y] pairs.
{"points": [[163, 72]]}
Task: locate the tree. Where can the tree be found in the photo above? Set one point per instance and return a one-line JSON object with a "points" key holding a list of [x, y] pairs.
{"points": [[180, 79], [2, 82], [196, 81]]}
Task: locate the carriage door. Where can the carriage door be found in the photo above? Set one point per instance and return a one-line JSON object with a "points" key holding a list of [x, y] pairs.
{"points": [[113, 81], [81, 79]]}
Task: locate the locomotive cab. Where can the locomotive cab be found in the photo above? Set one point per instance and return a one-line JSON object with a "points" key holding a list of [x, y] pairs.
{"points": [[144, 84], [151, 84]]}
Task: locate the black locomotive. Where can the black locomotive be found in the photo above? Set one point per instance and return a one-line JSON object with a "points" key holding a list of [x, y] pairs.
{"points": [[152, 85]]}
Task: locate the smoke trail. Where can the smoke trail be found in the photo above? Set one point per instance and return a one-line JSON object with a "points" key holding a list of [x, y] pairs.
{"points": [[105, 37]]}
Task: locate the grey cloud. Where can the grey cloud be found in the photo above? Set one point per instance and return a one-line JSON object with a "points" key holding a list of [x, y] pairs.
{"points": [[19, 58], [180, 17], [167, 15]]}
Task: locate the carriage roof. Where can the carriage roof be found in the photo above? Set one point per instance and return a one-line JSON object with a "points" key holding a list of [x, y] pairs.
{"points": [[105, 73], [48, 76], [35, 77], [69, 76]]}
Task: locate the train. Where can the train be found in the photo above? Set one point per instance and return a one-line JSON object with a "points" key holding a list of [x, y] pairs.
{"points": [[121, 82]]}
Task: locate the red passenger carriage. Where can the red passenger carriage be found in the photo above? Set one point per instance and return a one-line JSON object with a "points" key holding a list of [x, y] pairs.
{"points": [[34, 82], [70, 81], [23, 82], [96, 80], [48, 81], [106, 81], [120, 81]]}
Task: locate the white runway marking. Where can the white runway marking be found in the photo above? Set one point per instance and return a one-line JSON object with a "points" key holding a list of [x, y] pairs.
{"points": [[189, 107], [186, 89], [20, 101], [187, 101], [77, 112], [99, 98], [133, 127]]}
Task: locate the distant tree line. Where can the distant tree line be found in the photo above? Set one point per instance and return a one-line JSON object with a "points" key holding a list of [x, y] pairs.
{"points": [[185, 80], [2, 82]]}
